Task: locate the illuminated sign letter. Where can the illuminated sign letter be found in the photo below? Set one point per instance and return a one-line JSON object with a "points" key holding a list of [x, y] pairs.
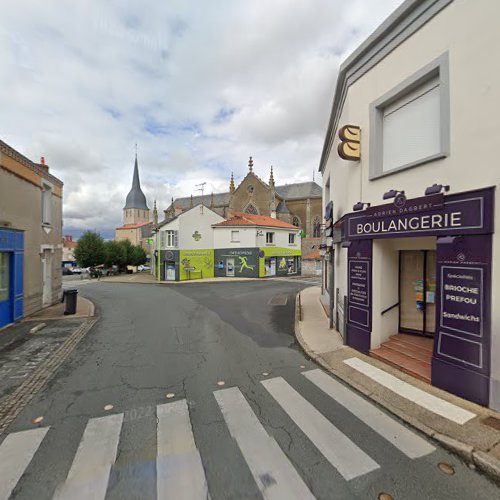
{"points": [[349, 147]]}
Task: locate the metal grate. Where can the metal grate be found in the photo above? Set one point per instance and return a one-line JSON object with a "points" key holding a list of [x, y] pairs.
{"points": [[279, 300]]}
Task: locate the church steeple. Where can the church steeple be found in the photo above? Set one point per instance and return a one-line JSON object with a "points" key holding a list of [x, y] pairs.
{"points": [[155, 215], [136, 198]]}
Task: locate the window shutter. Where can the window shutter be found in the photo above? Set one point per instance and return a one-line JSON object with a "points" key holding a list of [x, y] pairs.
{"points": [[411, 127], [162, 239], [176, 238]]}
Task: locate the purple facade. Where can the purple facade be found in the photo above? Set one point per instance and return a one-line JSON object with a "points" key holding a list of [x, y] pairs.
{"points": [[463, 224]]}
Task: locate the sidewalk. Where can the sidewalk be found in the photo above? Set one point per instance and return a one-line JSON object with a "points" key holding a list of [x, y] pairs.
{"points": [[467, 429], [33, 349]]}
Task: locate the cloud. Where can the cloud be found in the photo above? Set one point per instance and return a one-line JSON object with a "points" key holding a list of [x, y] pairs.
{"points": [[198, 88]]}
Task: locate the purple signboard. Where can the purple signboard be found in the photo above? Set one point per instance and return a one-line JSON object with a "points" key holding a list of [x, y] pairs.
{"points": [[463, 213], [460, 361], [359, 319]]}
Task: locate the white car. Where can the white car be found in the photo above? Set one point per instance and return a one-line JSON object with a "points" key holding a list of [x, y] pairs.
{"points": [[143, 268]]}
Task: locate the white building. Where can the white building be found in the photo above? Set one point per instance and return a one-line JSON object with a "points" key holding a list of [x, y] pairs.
{"points": [[420, 98], [249, 245], [185, 245]]}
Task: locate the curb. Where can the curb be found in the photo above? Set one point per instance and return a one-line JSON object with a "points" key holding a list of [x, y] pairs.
{"points": [[484, 462]]}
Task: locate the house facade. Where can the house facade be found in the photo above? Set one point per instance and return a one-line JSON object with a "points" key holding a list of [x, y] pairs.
{"points": [[185, 245], [30, 236], [412, 227], [68, 251], [256, 246]]}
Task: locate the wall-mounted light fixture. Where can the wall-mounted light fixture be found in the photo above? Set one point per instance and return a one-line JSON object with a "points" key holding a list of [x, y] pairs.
{"points": [[436, 189], [360, 206], [346, 244], [392, 193]]}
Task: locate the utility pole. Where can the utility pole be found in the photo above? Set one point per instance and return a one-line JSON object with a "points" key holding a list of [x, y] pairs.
{"points": [[202, 189]]}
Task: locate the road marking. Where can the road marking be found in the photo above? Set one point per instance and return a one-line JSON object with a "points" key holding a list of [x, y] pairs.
{"points": [[96, 454], [428, 401], [179, 469], [412, 445], [275, 476], [337, 448], [16, 453]]}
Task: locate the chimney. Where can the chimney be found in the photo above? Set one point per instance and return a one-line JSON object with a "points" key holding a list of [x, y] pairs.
{"points": [[42, 164]]}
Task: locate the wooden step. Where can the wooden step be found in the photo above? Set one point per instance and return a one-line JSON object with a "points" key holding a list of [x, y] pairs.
{"points": [[414, 340], [406, 364], [411, 352]]}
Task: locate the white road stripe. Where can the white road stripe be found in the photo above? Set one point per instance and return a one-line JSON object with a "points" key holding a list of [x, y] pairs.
{"points": [[179, 469], [16, 452], [412, 445], [274, 474], [428, 401], [337, 448], [96, 454]]}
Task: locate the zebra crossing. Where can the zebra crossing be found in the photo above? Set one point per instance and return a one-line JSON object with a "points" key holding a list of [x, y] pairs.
{"points": [[180, 470]]}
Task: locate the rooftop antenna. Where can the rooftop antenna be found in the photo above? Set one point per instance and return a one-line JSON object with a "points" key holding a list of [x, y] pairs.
{"points": [[202, 189]]}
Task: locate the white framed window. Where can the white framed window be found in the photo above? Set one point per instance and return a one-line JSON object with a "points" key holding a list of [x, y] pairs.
{"points": [[269, 238], [410, 125], [46, 204], [291, 239], [171, 237], [235, 236]]}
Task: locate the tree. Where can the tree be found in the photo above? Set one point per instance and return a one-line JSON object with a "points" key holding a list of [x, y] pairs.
{"points": [[90, 250], [115, 254], [127, 249], [138, 256]]}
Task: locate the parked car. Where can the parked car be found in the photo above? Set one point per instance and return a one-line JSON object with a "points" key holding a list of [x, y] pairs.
{"points": [[76, 270], [143, 268]]}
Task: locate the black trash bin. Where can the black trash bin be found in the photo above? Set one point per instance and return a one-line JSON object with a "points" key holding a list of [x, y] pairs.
{"points": [[70, 297]]}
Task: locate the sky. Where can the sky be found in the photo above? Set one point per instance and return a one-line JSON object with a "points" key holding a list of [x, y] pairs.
{"points": [[198, 85]]}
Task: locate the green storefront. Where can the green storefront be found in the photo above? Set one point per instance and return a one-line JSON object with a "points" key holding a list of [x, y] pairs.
{"points": [[276, 261]]}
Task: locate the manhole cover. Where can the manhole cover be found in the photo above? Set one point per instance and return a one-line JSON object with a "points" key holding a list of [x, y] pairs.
{"points": [[492, 422], [279, 300]]}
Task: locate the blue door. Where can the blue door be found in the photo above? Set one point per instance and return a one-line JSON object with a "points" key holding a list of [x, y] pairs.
{"points": [[6, 289]]}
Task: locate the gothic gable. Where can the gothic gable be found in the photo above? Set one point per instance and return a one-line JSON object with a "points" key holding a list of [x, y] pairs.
{"points": [[252, 193]]}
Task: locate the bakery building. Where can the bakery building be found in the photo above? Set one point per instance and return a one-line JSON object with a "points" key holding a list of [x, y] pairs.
{"points": [[256, 246], [412, 227]]}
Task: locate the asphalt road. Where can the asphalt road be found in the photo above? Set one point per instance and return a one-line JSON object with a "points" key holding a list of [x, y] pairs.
{"points": [[245, 417]]}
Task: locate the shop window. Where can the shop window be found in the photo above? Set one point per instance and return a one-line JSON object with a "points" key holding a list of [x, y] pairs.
{"points": [[235, 236], [410, 124], [269, 238], [46, 204], [291, 265], [291, 239]]}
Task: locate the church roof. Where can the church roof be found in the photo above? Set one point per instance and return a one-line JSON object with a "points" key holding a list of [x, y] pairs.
{"points": [[136, 198], [282, 208], [299, 190], [288, 192]]}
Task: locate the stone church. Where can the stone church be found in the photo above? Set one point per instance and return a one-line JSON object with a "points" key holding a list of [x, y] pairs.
{"points": [[298, 204]]}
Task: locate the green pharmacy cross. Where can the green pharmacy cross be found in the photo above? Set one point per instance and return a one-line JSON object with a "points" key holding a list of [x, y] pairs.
{"points": [[197, 236]]}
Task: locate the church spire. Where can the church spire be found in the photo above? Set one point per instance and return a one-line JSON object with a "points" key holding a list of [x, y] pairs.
{"points": [[271, 178], [155, 215], [136, 198], [250, 164], [231, 184]]}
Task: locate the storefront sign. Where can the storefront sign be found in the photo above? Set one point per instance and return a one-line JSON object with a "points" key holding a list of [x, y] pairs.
{"points": [[462, 213], [359, 319], [461, 299], [359, 274], [461, 359]]}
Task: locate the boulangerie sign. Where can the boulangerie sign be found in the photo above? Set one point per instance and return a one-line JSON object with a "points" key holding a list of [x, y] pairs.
{"points": [[461, 213]]}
